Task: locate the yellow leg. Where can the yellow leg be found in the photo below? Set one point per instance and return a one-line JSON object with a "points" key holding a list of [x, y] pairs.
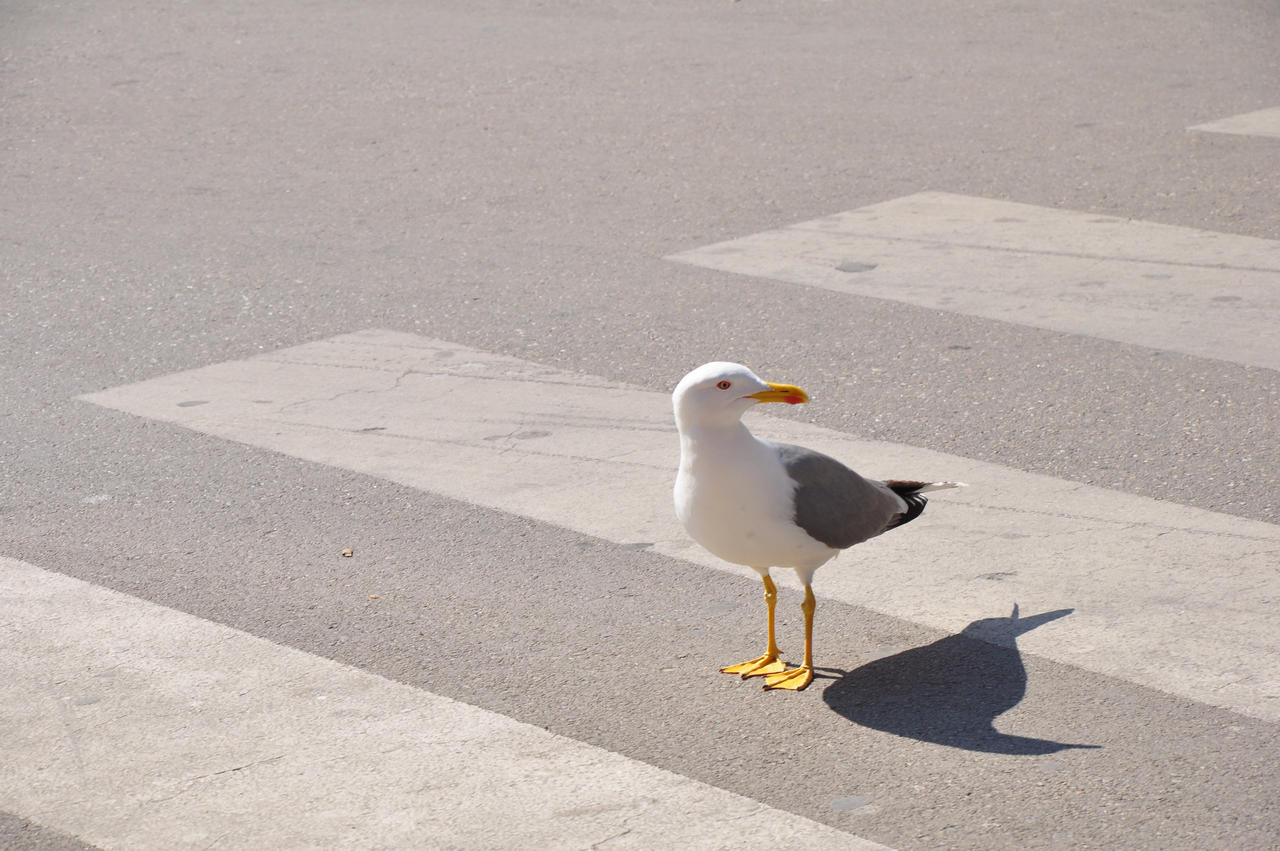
{"points": [[769, 663], [797, 678]]}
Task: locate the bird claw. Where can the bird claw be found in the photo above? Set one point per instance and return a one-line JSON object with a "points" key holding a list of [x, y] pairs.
{"points": [[795, 679], [759, 667]]}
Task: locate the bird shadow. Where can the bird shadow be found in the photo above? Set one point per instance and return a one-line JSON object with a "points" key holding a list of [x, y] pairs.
{"points": [[948, 692]]}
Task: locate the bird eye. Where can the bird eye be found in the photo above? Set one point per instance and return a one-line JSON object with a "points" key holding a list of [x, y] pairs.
{"points": [[724, 385]]}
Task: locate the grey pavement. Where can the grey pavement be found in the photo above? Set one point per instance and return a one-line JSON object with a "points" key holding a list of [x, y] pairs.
{"points": [[183, 186]]}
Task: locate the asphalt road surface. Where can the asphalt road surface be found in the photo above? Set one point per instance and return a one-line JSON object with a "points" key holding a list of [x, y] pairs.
{"points": [[336, 347]]}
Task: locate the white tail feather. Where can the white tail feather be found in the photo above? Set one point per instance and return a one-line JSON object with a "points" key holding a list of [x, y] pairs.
{"points": [[941, 486]]}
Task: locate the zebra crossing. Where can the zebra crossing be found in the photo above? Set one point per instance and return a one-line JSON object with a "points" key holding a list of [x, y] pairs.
{"points": [[144, 726], [1259, 122], [1206, 294], [97, 678], [596, 457]]}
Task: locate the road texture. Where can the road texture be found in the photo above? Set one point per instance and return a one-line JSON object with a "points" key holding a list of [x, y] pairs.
{"points": [[1036, 244]]}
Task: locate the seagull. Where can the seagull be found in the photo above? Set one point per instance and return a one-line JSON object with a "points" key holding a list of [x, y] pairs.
{"points": [[764, 505]]}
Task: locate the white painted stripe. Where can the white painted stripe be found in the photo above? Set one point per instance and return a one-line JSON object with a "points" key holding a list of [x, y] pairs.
{"points": [[1201, 293], [1262, 122], [1168, 596], [131, 725]]}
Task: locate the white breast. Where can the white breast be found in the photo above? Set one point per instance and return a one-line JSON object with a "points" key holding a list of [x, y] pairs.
{"points": [[734, 498]]}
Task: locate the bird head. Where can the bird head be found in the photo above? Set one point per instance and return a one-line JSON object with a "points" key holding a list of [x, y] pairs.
{"points": [[717, 394]]}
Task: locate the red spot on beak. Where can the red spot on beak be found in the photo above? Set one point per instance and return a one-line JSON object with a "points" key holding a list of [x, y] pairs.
{"points": [[793, 400]]}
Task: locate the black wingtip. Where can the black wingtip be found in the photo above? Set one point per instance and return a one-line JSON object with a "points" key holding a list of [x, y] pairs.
{"points": [[915, 507]]}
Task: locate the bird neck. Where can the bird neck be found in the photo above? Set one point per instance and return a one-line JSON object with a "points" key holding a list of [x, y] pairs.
{"points": [[718, 438]]}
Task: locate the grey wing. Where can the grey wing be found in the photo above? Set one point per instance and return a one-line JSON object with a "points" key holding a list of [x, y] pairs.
{"points": [[834, 504]]}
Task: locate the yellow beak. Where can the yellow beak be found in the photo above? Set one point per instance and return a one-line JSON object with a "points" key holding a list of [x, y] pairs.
{"points": [[788, 393]]}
